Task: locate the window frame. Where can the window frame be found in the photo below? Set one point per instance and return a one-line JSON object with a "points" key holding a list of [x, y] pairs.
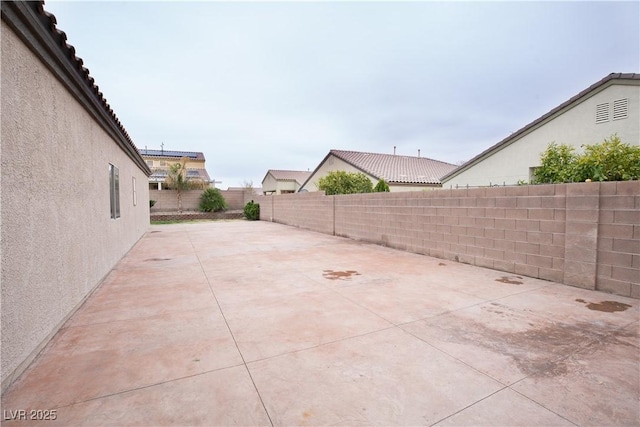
{"points": [[114, 191]]}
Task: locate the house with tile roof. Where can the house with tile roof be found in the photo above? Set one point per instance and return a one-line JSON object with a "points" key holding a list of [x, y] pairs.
{"points": [[160, 160], [64, 224], [278, 181], [402, 173], [609, 106]]}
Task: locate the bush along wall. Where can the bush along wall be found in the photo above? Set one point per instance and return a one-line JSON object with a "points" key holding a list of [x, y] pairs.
{"points": [[252, 211]]}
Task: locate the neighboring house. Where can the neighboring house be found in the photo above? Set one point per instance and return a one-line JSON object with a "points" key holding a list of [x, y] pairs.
{"points": [[283, 181], [402, 173], [160, 160], [74, 194], [609, 106]]}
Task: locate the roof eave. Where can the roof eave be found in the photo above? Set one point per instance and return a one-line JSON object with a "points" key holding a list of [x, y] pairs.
{"points": [[37, 29], [611, 79]]}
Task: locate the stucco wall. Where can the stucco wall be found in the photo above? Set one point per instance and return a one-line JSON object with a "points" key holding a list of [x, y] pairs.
{"points": [[271, 184], [57, 239], [575, 127]]}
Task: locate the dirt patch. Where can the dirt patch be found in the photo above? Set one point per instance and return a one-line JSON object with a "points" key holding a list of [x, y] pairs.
{"points": [[510, 280], [442, 263], [157, 259], [606, 306], [339, 275]]}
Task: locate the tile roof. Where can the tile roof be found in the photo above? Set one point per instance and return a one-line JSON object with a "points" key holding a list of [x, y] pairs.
{"points": [[287, 175], [172, 154], [37, 20], [514, 136], [396, 169]]}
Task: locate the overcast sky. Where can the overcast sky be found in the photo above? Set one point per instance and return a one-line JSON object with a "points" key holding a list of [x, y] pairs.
{"points": [[276, 85]]}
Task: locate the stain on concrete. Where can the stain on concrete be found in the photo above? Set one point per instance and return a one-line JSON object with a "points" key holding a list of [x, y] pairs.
{"points": [[155, 231], [540, 348], [442, 263], [339, 275], [157, 259], [605, 306], [510, 280]]}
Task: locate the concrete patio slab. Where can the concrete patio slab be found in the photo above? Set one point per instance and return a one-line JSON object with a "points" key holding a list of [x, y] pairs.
{"points": [[256, 323], [387, 377]]}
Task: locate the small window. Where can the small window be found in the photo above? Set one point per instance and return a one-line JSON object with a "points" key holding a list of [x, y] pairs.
{"points": [[621, 109], [532, 173], [163, 163], [602, 113], [150, 163], [114, 190], [135, 193]]}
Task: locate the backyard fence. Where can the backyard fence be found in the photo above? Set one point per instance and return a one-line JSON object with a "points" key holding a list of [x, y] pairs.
{"points": [[167, 201], [583, 234]]}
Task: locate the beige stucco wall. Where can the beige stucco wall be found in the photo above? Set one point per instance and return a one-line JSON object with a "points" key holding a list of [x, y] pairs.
{"points": [[57, 239], [271, 184], [575, 127]]}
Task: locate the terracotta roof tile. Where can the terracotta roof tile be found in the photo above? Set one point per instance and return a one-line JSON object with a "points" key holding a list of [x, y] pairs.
{"points": [[397, 169]]}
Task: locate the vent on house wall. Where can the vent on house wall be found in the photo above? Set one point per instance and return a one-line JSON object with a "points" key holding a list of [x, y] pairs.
{"points": [[620, 109], [602, 113]]}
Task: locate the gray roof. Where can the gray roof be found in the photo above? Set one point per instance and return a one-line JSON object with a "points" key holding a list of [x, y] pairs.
{"points": [[288, 175], [394, 168], [613, 77]]}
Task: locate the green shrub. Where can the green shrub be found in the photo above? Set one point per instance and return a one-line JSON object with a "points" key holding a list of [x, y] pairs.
{"points": [[558, 164], [610, 160], [381, 187], [152, 202], [252, 211], [341, 182], [212, 200]]}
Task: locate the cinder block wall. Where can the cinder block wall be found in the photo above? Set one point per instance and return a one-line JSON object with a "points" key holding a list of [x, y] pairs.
{"points": [[313, 211], [585, 235], [166, 200], [618, 255]]}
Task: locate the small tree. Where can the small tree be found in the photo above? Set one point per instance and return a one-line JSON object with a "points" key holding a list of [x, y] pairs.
{"points": [[177, 179], [558, 164], [341, 182], [381, 187], [212, 200], [252, 211], [610, 160]]}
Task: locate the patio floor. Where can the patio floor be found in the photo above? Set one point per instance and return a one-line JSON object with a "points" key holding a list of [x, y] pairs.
{"points": [[256, 323]]}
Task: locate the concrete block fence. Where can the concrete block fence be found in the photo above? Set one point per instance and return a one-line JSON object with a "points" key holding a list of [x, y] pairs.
{"points": [[166, 200], [584, 234]]}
